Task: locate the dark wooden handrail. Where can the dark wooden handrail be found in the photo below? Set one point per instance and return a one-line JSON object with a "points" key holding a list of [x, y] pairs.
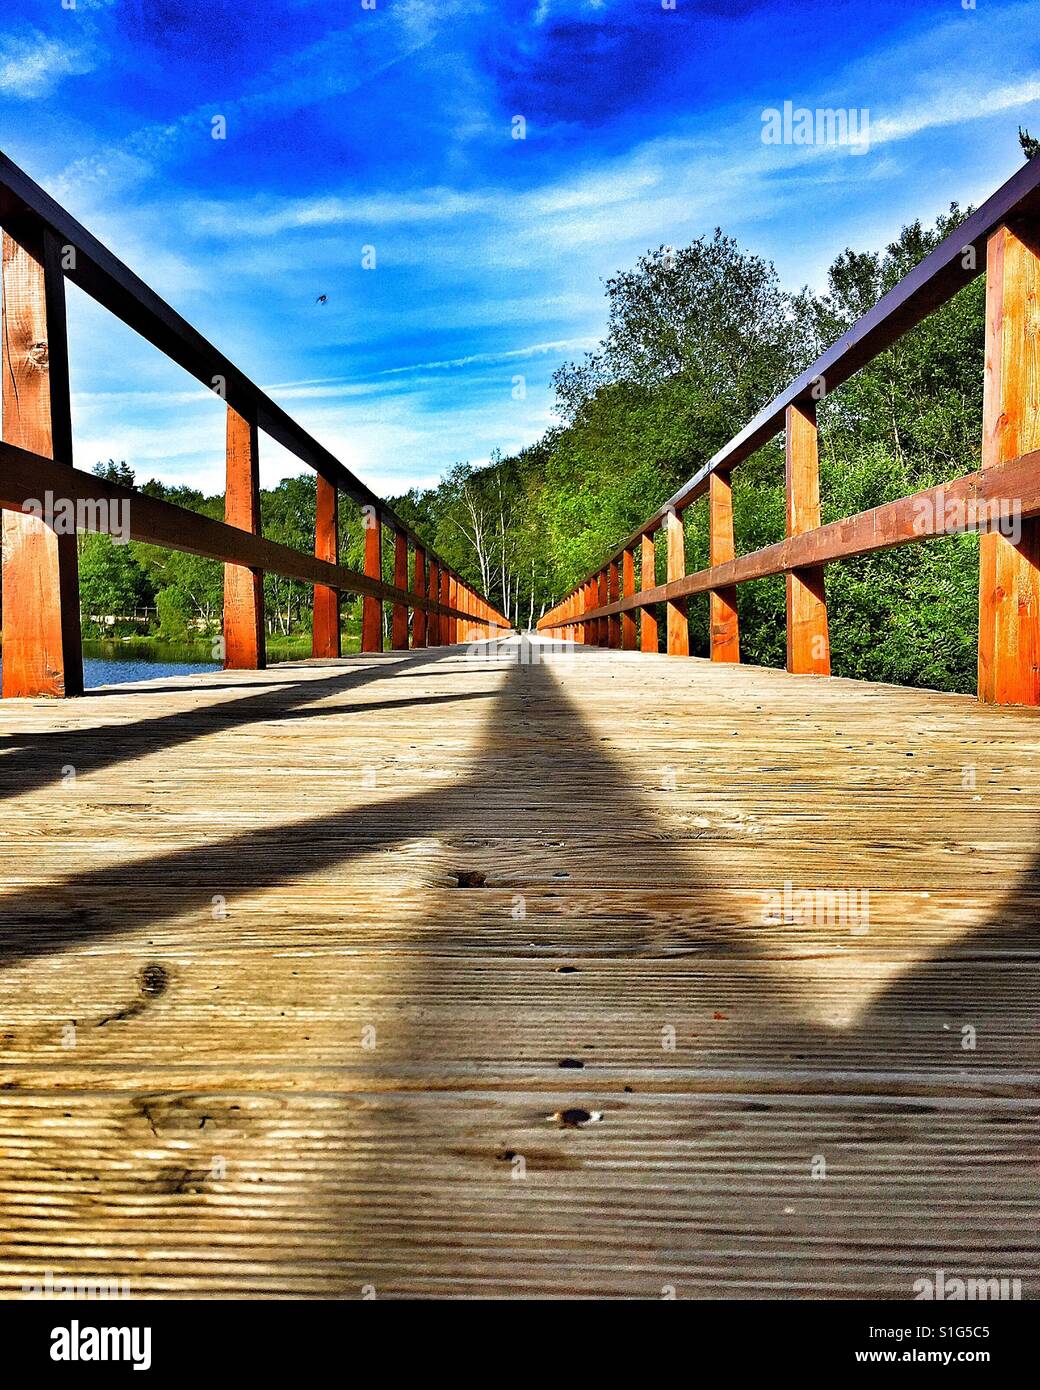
{"points": [[43, 247], [1001, 237], [26, 477], [920, 516]]}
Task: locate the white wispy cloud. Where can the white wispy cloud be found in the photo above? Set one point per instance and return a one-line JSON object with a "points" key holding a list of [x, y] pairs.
{"points": [[32, 64], [955, 106]]}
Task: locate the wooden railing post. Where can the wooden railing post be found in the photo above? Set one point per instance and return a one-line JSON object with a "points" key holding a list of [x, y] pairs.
{"points": [[446, 637], [602, 599], [678, 627], [649, 640], [325, 639], [808, 640], [372, 608], [1009, 571], [43, 653], [433, 618], [722, 603], [243, 588], [614, 592], [419, 624], [628, 586], [399, 614], [453, 599]]}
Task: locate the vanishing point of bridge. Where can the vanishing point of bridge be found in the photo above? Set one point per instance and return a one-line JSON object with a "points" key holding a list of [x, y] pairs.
{"points": [[505, 965]]}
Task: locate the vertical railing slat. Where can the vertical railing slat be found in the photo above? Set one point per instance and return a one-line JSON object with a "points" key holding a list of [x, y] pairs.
{"points": [[649, 639], [419, 621], [372, 608], [433, 619], [1009, 571], [628, 587], [43, 652], [808, 639], [722, 603], [678, 628], [243, 587], [399, 615], [614, 592], [325, 636]]}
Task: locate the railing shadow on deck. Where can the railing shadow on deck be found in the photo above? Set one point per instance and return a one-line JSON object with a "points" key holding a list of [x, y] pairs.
{"points": [[38, 759], [518, 780]]}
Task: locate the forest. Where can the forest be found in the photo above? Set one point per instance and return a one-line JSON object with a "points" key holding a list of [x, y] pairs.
{"points": [[697, 340]]}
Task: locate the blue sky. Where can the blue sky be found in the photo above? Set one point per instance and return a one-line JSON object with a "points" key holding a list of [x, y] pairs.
{"points": [[352, 127]]}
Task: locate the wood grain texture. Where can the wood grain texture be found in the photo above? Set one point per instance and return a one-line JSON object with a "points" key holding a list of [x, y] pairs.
{"points": [[433, 619], [676, 624], [244, 587], [649, 640], [628, 587], [1009, 570], [41, 622], [419, 618], [808, 638], [325, 633], [289, 969], [613, 594], [372, 608], [399, 611], [722, 603]]}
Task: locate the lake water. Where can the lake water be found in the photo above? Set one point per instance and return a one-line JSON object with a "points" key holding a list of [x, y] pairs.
{"points": [[113, 663]]}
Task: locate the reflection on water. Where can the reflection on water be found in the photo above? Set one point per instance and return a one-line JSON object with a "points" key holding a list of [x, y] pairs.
{"points": [[113, 663]]}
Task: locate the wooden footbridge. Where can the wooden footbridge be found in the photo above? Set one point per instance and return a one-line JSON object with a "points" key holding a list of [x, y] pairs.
{"points": [[512, 965]]}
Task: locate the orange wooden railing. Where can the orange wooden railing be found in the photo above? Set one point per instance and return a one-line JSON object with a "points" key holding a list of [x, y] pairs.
{"points": [[1002, 238], [43, 246]]}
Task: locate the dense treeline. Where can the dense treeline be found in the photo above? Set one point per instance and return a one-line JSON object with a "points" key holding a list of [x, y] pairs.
{"points": [[185, 591], [697, 341]]}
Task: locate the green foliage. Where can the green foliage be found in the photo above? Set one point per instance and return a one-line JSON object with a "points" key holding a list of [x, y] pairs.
{"points": [[187, 590], [697, 341], [173, 606], [111, 582]]}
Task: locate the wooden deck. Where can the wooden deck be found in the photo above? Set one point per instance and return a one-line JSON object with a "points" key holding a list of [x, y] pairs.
{"points": [[521, 876]]}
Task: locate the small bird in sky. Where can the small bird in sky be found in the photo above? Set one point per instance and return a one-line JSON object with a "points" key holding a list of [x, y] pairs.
{"points": [[322, 299]]}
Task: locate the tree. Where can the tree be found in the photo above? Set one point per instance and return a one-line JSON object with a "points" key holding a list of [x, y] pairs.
{"points": [[1030, 144], [697, 340], [111, 582]]}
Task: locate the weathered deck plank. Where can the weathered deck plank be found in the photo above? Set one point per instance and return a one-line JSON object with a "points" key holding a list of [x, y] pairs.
{"points": [[500, 867]]}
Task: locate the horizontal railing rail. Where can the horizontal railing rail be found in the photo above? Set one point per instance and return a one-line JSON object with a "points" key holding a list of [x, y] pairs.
{"points": [[43, 246], [1003, 238], [920, 516], [25, 479]]}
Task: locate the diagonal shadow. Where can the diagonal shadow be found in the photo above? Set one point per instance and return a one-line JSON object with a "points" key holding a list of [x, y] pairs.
{"points": [[39, 759], [536, 742], [39, 921]]}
